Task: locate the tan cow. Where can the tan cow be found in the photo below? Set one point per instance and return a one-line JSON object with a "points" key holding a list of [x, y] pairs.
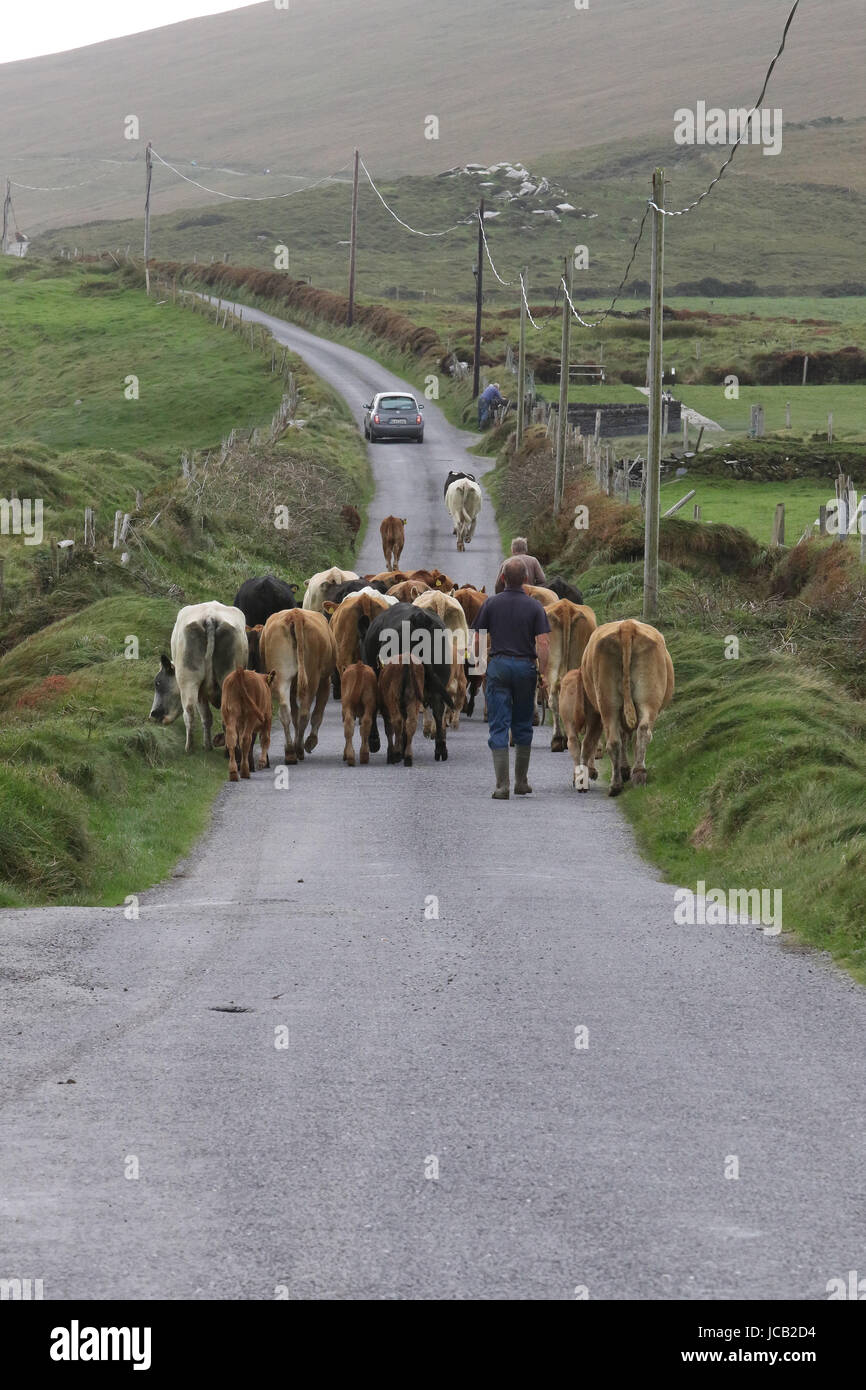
{"points": [[344, 624], [571, 626], [544, 596], [298, 646], [247, 710], [446, 607], [359, 698], [408, 591], [401, 697], [393, 539], [470, 600], [388, 577], [627, 677], [313, 595]]}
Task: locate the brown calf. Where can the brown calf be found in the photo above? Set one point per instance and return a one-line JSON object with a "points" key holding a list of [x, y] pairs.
{"points": [[571, 626], [435, 578], [359, 698], [246, 711], [401, 697], [393, 539], [351, 519]]}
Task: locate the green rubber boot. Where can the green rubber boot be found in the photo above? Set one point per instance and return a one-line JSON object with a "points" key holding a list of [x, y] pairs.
{"points": [[500, 767], [521, 767]]}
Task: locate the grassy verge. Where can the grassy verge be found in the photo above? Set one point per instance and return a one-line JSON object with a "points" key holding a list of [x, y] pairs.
{"points": [[757, 772], [84, 778]]}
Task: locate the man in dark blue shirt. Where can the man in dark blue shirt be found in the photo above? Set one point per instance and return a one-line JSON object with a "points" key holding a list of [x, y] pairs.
{"points": [[518, 629], [486, 401]]}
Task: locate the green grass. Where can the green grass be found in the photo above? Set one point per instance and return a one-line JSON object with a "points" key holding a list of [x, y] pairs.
{"points": [[810, 406], [84, 779], [750, 506]]}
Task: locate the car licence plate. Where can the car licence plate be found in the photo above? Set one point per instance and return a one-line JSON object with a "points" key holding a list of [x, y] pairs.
{"points": [[397, 420]]}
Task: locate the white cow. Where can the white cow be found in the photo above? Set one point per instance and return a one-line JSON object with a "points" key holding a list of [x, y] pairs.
{"points": [[208, 641], [313, 596], [463, 500]]}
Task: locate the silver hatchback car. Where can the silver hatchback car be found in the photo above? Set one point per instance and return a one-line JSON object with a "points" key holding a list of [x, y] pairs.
{"points": [[393, 415]]}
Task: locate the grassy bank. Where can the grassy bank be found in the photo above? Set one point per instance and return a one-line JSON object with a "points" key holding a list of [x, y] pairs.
{"points": [[85, 780], [757, 772]]}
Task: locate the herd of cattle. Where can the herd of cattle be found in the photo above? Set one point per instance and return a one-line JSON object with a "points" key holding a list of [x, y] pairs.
{"points": [[398, 644]]}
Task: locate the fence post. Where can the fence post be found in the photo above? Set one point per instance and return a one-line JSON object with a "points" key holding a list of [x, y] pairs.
{"points": [[697, 511], [822, 520], [830, 427], [778, 537]]}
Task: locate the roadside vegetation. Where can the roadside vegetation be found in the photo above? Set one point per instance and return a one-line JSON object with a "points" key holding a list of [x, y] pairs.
{"points": [[84, 779], [757, 772]]}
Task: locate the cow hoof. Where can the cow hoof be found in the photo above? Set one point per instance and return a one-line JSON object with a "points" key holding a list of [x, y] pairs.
{"points": [[375, 745], [246, 775], [350, 762], [365, 757], [407, 762], [290, 760], [614, 791], [557, 744], [536, 720], [311, 742], [441, 755], [262, 764], [638, 777], [234, 776], [219, 741], [625, 773], [593, 774]]}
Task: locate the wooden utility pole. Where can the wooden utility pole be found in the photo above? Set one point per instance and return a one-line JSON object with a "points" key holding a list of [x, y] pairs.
{"points": [[654, 432], [521, 363], [562, 421], [148, 164], [479, 277], [7, 203], [353, 237]]}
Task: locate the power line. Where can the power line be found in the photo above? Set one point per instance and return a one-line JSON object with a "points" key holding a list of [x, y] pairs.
{"points": [[246, 197], [680, 212], [61, 188], [413, 230]]}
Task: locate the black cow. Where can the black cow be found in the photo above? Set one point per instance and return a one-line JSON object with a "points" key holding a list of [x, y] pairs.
{"points": [[563, 590], [452, 478], [259, 598], [404, 630]]}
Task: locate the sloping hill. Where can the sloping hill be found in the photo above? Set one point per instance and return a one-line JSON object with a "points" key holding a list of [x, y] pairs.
{"points": [[293, 90]]}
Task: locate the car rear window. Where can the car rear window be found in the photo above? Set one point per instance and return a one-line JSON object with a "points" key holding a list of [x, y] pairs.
{"points": [[397, 403]]}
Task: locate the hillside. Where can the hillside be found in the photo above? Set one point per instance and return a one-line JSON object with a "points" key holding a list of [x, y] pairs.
{"points": [[293, 90], [772, 226]]}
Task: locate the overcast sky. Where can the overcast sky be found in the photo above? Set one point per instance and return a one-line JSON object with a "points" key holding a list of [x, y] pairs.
{"points": [[50, 26]]}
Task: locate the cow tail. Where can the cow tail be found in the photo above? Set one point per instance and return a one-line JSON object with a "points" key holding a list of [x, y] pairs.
{"points": [[210, 637], [298, 630], [406, 687], [629, 712]]}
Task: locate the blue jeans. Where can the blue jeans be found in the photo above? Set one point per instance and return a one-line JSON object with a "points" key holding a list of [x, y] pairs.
{"points": [[511, 683], [483, 414]]}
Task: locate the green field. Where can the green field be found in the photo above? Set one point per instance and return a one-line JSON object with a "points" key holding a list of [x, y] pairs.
{"points": [[810, 406], [749, 505]]}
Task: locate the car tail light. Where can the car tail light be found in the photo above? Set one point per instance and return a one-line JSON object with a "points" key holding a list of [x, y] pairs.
{"points": [[417, 419], [375, 419]]}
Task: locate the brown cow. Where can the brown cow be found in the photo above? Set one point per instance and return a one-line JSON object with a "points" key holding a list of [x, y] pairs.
{"points": [[393, 539], [344, 626], [571, 626], [471, 601], [246, 710], [627, 677], [435, 578], [388, 577], [401, 697], [408, 591], [297, 645], [359, 698], [351, 519]]}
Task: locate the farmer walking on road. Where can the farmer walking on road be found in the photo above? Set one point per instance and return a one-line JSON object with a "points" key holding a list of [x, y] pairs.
{"points": [[534, 572], [514, 622]]}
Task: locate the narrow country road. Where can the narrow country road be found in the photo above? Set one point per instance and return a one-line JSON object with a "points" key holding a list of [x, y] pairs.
{"points": [[431, 1130]]}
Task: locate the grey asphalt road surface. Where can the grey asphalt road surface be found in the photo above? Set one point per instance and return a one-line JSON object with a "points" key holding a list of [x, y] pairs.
{"points": [[340, 1054]]}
